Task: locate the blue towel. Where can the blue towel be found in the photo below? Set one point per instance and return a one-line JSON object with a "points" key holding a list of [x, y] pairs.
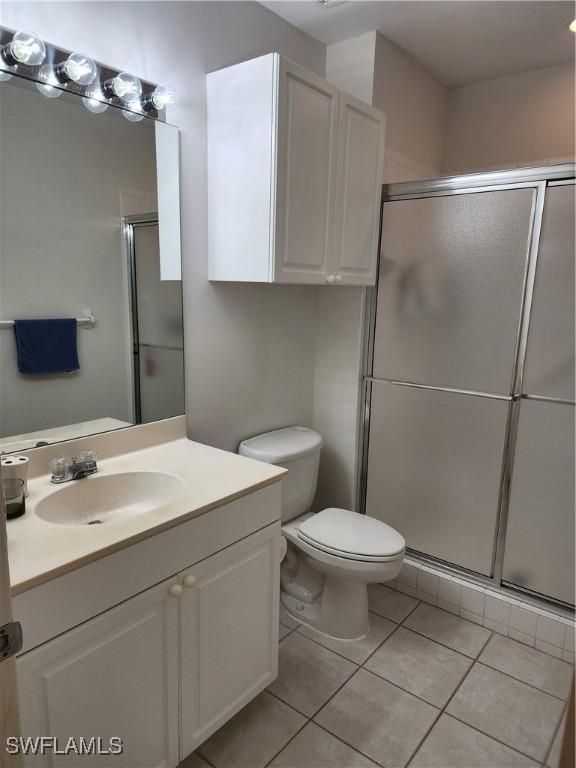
{"points": [[46, 346]]}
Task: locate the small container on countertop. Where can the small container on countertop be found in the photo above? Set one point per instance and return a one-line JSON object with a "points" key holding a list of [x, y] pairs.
{"points": [[15, 467]]}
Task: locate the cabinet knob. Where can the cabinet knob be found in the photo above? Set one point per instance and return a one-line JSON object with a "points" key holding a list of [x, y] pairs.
{"points": [[338, 278], [331, 279], [175, 590], [189, 580]]}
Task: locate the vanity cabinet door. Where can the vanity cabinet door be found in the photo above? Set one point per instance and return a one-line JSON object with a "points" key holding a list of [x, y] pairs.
{"points": [[114, 676], [229, 633], [358, 191]]}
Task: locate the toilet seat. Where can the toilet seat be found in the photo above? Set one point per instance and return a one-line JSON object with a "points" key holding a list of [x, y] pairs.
{"points": [[350, 535]]}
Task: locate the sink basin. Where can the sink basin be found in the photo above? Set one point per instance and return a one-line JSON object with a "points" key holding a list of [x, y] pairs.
{"points": [[108, 498]]}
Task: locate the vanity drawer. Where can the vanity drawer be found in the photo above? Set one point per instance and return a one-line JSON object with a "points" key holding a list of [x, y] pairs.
{"points": [[66, 601]]}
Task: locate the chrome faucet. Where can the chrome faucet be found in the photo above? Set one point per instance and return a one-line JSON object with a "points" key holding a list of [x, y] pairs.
{"points": [[64, 470]]}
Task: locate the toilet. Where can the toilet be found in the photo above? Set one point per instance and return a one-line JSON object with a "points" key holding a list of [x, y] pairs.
{"points": [[331, 556]]}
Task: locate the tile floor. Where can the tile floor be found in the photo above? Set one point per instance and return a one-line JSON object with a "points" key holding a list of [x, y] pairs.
{"points": [[424, 689]]}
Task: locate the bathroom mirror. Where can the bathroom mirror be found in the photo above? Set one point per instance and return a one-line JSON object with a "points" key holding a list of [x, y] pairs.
{"points": [[89, 229]]}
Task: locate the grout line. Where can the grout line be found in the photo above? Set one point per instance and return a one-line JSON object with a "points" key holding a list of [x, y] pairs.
{"points": [[443, 709], [396, 628], [395, 685], [415, 695], [197, 752], [290, 631], [423, 739], [327, 648], [472, 658], [339, 738], [290, 740], [310, 717], [519, 680], [556, 730], [490, 736], [447, 647], [275, 695]]}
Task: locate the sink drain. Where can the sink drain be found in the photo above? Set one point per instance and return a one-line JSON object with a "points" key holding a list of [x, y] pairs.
{"points": [[95, 522]]}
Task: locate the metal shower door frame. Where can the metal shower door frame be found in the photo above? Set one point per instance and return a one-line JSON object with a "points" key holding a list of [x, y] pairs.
{"points": [[128, 225], [538, 179]]}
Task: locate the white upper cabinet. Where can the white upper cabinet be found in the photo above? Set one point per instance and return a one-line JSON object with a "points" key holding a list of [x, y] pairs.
{"points": [[294, 177], [358, 191], [307, 135]]}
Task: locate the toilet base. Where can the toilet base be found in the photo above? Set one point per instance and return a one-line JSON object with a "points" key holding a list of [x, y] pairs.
{"points": [[341, 611], [326, 591]]}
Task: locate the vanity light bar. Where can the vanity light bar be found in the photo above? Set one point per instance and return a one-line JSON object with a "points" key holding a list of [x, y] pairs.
{"points": [[55, 70]]}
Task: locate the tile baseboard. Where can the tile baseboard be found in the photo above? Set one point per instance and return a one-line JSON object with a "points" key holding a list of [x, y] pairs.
{"points": [[509, 616]]}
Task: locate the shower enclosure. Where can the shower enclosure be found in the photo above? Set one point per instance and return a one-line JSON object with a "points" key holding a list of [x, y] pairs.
{"points": [[468, 419]]}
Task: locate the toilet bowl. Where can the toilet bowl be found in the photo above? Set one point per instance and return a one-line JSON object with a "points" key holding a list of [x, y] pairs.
{"points": [[331, 556]]}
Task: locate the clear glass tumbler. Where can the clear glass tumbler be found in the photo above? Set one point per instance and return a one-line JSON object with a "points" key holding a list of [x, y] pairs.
{"points": [[14, 493]]}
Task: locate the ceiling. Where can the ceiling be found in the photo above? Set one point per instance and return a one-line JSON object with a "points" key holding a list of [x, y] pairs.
{"points": [[459, 41]]}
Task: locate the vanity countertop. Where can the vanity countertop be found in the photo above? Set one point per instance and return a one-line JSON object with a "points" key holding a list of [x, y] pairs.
{"points": [[39, 551]]}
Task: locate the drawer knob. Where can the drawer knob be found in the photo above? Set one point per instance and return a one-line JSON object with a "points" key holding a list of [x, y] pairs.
{"points": [[175, 590], [338, 278], [189, 580], [331, 279]]}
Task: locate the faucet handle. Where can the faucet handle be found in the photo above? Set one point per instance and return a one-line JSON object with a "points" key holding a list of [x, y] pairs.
{"points": [[89, 455], [59, 467]]}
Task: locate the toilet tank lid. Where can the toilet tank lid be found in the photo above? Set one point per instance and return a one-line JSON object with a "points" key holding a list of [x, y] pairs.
{"points": [[281, 445]]}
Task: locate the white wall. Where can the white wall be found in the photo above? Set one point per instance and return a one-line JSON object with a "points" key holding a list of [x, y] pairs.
{"points": [[337, 393], [525, 119], [64, 175], [414, 102], [249, 349], [350, 65]]}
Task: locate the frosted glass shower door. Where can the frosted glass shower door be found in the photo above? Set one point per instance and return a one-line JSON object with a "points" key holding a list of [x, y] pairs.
{"points": [[549, 370], [450, 289], [434, 470], [453, 270], [539, 553]]}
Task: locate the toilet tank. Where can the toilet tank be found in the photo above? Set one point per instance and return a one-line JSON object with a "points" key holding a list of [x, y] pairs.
{"points": [[298, 450]]}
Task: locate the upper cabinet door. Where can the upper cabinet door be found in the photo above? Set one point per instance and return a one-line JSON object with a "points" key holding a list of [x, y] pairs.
{"points": [[549, 368], [307, 134], [358, 190]]}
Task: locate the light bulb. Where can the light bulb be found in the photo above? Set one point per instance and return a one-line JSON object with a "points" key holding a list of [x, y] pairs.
{"points": [[163, 97], [124, 86], [77, 68], [94, 105], [133, 117], [572, 26], [25, 48], [50, 91]]}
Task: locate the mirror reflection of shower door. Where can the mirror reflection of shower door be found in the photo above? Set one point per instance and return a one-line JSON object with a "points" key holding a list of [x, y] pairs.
{"points": [[157, 325]]}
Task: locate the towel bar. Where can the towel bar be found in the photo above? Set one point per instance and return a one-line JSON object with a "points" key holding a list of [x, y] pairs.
{"points": [[88, 320]]}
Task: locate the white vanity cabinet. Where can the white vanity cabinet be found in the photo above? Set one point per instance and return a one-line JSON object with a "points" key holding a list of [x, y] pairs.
{"points": [[294, 177], [228, 634], [114, 676], [167, 667]]}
